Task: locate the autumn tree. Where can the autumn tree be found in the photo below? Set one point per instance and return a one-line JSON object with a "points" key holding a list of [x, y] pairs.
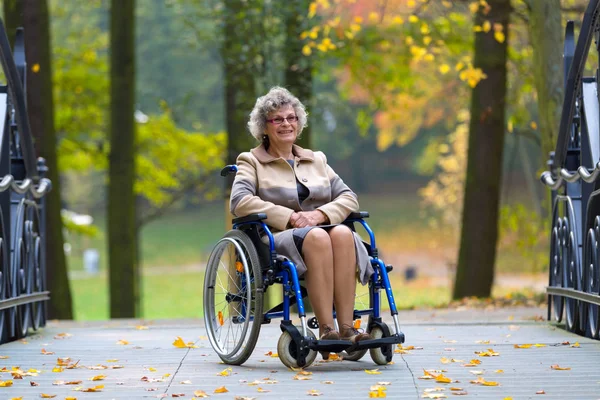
{"points": [[122, 238], [40, 105], [546, 33], [479, 230]]}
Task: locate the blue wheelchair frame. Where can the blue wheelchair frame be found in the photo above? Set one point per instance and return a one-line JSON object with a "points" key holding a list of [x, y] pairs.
{"points": [[288, 277]]}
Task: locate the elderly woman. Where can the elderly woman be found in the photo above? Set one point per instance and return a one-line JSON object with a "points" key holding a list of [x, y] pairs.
{"points": [[304, 200]]}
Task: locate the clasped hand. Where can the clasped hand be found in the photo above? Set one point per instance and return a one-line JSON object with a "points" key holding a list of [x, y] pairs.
{"points": [[307, 218]]}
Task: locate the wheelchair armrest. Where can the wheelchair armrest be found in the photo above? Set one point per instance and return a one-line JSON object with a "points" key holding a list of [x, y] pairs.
{"points": [[358, 215], [249, 218]]}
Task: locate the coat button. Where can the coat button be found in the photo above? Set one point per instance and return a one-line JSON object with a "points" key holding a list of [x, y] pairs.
{"points": [[304, 180]]}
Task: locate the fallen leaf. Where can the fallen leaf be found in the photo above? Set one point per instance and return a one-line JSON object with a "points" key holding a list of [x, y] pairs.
{"points": [[489, 353], [186, 382], [16, 398], [97, 388], [177, 395], [456, 389], [377, 392], [301, 378], [4, 357], [221, 389], [32, 383], [460, 393], [539, 345], [445, 360], [200, 393], [180, 344], [499, 371], [47, 353], [328, 382], [98, 378], [434, 396], [483, 342], [373, 371], [443, 379], [112, 360], [476, 372], [435, 389], [243, 398], [314, 392], [225, 372], [450, 341], [141, 327], [47, 396], [576, 344], [523, 346], [540, 392], [559, 368], [58, 369], [62, 336], [123, 342], [384, 383], [261, 390]]}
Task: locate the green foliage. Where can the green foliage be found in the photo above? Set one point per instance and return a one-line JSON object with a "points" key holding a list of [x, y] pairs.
{"points": [[170, 157], [526, 231]]}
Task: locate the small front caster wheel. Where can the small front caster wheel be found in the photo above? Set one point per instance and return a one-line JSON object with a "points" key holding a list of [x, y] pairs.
{"points": [[288, 352], [381, 355], [313, 323]]}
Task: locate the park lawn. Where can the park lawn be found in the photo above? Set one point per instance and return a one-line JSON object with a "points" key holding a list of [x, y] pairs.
{"points": [[179, 295]]}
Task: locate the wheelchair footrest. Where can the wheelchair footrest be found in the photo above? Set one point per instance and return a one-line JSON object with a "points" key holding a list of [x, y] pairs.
{"points": [[334, 346], [376, 343], [337, 346]]}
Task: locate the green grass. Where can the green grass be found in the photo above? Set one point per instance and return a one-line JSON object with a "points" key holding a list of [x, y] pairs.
{"points": [[179, 295]]}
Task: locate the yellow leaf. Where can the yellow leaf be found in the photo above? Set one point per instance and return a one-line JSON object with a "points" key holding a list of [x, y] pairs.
{"points": [[70, 398], [314, 392], [47, 396], [261, 390], [141, 327], [62, 336], [6, 383], [442, 379], [489, 383], [221, 389], [58, 369], [576, 344], [16, 398], [35, 68], [444, 68], [123, 342], [413, 19], [559, 368], [445, 360], [97, 388], [499, 36], [372, 371], [225, 372], [48, 353], [487, 26], [179, 343], [200, 393], [312, 9], [499, 371], [377, 392], [151, 369], [533, 125], [98, 378], [522, 346]]}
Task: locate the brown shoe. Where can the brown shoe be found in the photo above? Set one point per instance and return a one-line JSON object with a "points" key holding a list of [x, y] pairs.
{"points": [[328, 334], [354, 335]]}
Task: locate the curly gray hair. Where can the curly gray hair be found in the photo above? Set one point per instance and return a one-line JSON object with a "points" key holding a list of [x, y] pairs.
{"points": [[273, 101]]}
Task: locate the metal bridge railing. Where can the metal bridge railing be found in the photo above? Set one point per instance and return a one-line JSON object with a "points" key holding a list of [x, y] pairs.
{"points": [[573, 177]]}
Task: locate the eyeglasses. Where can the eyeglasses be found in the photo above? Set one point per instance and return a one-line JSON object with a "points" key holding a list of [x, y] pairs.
{"points": [[279, 120]]}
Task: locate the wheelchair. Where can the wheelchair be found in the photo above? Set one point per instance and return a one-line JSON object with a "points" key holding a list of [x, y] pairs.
{"points": [[240, 269]]}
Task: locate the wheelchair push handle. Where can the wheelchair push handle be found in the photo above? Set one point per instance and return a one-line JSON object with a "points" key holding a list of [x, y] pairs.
{"points": [[229, 169]]}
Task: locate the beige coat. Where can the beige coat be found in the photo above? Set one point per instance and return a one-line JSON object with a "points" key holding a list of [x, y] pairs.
{"points": [[266, 184]]}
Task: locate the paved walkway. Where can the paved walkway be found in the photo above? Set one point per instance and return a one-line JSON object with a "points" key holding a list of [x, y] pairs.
{"points": [[444, 341]]}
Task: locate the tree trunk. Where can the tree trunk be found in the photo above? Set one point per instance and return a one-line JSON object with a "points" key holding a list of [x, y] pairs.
{"points": [[40, 106], [13, 18], [546, 36], [298, 68], [122, 244], [479, 231]]}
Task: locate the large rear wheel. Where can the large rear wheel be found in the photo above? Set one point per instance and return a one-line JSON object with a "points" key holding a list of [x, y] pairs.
{"points": [[233, 297]]}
